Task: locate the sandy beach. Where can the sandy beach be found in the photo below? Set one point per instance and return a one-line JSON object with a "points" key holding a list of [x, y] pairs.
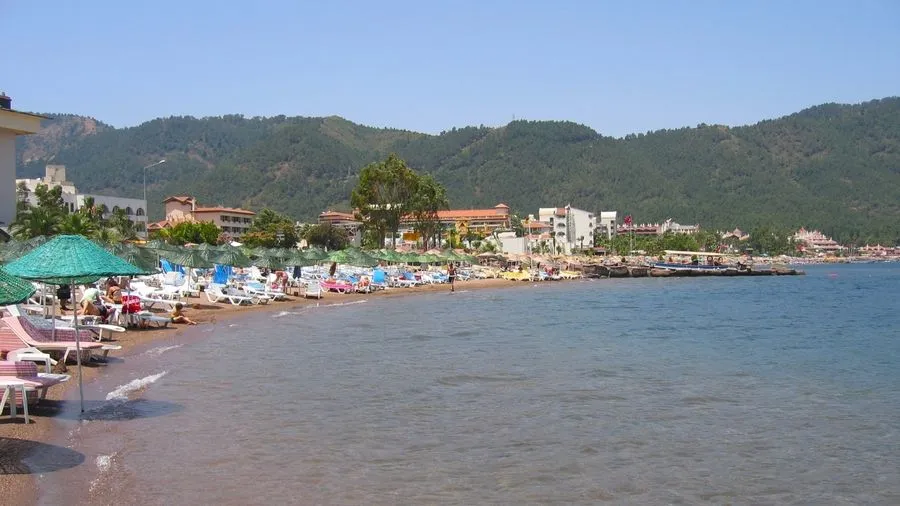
{"points": [[17, 439]]}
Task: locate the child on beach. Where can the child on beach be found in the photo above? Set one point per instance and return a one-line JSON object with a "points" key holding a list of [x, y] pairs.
{"points": [[179, 317]]}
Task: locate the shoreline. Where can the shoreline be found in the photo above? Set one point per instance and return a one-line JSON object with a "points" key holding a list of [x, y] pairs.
{"points": [[17, 440]]}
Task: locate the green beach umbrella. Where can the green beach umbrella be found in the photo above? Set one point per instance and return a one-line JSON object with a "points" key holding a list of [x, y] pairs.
{"points": [[207, 247], [138, 257], [352, 256], [70, 259], [299, 259], [14, 249], [12, 289], [188, 257], [388, 255], [159, 245], [341, 256], [314, 254], [363, 259], [268, 262], [230, 256]]}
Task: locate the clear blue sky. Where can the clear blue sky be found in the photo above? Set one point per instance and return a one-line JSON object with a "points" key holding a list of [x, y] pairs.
{"points": [[619, 67]]}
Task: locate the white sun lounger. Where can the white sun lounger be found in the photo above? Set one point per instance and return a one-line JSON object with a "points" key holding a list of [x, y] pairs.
{"points": [[215, 293]]}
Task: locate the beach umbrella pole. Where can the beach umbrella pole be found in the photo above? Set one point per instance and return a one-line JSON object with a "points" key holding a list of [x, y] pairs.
{"points": [[77, 347]]}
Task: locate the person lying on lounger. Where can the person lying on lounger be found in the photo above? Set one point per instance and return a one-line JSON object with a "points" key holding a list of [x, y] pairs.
{"points": [[178, 315]]}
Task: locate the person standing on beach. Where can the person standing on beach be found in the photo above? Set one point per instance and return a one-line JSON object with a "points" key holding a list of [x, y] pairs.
{"points": [[451, 275]]}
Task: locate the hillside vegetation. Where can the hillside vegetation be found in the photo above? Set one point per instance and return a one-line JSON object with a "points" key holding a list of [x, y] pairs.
{"points": [[833, 167]]}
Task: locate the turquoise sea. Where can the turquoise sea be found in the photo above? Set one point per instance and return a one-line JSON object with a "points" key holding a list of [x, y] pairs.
{"points": [[774, 390]]}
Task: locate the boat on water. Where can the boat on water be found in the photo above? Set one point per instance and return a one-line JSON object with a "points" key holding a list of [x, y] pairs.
{"points": [[672, 266], [660, 273], [712, 263]]}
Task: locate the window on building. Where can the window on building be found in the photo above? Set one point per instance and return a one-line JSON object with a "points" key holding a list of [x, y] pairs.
{"points": [[247, 220], [115, 208], [225, 219], [104, 209], [128, 211], [139, 212]]}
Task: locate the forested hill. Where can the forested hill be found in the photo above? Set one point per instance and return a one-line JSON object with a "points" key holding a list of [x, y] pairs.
{"points": [[833, 167]]}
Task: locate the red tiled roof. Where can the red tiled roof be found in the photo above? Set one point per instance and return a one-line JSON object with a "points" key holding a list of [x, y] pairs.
{"points": [[336, 214], [182, 199], [497, 212], [159, 225], [234, 210]]}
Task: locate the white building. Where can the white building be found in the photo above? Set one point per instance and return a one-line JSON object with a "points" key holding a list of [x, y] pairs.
{"points": [[608, 223], [55, 175], [571, 228], [12, 123]]}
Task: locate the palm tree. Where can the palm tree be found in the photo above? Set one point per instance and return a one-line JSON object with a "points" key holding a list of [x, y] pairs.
{"points": [[77, 224], [107, 235], [35, 221], [122, 224]]}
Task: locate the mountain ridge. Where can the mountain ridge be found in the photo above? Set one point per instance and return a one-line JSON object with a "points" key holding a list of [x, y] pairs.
{"points": [[831, 166]]}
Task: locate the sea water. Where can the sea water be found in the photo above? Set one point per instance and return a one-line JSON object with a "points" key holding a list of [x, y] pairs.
{"points": [[764, 390]]}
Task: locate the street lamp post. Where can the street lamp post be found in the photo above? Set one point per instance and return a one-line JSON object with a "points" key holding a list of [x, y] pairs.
{"points": [[146, 206]]}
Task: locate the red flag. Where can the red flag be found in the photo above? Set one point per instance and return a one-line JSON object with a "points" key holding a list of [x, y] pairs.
{"points": [[628, 220]]}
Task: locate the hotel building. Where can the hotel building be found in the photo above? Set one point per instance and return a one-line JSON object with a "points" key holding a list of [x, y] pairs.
{"points": [[55, 176], [233, 221], [570, 227]]}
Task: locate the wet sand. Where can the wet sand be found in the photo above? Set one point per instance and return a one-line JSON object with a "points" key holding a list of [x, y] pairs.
{"points": [[17, 440]]}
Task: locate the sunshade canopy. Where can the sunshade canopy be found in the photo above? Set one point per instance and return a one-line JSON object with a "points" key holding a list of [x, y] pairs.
{"points": [[188, 257], [12, 289], [70, 259]]}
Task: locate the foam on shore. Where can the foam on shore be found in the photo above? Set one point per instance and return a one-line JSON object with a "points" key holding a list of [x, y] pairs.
{"points": [[155, 352], [121, 392]]}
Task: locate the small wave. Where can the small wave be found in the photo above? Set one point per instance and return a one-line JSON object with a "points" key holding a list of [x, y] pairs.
{"points": [[701, 400], [155, 352], [121, 392], [283, 314], [104, 464], [351, 303], [461, 379]]}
